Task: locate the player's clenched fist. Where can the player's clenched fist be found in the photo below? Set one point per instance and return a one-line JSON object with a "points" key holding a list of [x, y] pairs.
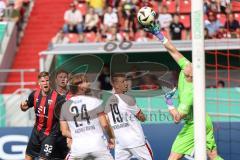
{"points": [[111, 143], [24, 106]]}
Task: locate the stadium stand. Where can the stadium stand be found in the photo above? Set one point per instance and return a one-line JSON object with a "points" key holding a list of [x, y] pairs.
{"points": [[40, 25], [181, 7]]}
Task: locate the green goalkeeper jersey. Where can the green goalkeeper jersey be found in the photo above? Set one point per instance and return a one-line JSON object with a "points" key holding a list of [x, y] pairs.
{"points": [[185, 92]]}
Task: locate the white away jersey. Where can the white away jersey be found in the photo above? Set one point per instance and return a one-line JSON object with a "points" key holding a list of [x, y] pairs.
{"points": [[81, 112], [127, 128]]}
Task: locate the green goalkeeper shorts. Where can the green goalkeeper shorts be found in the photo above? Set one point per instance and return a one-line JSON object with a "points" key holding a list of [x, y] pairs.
{"points": [[184, 142]]}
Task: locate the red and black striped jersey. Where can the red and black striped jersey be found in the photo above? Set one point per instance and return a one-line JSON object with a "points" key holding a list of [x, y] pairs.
{"points": [[46, 110]]}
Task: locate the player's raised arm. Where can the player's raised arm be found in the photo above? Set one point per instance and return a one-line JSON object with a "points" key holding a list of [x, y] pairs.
{"points": [[25, 105], [155, 30]]}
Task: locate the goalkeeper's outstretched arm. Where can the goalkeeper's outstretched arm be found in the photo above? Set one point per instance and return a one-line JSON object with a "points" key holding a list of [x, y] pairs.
{"points": [[155, 30], [173, 51]]}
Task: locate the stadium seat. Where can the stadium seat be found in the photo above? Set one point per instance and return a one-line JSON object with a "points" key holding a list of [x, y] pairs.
{"points": [[171, 4], [221, 18], [235, 6], [73, 37], [184, 6], [184, 35], [90, 37], [185, 19], [154, 5], [136, 36]]}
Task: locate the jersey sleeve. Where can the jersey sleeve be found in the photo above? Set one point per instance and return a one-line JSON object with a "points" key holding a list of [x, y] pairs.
{"points": [[59, 103], [133, 107], [99, 105], [65, 113], [30, 100], [186, 102], [182, 62]]}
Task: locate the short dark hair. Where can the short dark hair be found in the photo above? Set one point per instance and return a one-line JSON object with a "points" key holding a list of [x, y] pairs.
{"points": [[43, 74], [114, 76], [221, 82], [60, 71]]}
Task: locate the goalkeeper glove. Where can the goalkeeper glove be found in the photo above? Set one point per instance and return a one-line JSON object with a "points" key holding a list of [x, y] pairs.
{"points": [[168, 98], [154, 28]]}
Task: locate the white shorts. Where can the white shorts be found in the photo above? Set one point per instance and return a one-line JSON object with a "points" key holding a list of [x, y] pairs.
{"points": [[100, 155], [141, 153]]}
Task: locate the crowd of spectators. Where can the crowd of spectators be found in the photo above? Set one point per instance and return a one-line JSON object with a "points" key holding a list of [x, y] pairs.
{"points": [[115, 20], [13, 10], [16, 11]]}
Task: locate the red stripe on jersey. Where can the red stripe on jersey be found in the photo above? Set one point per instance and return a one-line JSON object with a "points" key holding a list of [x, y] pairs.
{"points": [[36, 95], [41, 112], [68, 96], [51, 113], [149, 150]]}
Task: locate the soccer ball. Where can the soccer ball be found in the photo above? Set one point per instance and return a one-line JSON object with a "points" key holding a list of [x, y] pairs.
{"points": [[146, 16]]}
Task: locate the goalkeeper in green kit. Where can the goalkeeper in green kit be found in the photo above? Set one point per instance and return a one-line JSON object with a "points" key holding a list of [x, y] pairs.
{"points": [[184, 142]]}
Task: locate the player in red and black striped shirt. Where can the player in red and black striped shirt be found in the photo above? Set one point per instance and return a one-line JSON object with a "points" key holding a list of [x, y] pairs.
{"points": [[46, 129]]}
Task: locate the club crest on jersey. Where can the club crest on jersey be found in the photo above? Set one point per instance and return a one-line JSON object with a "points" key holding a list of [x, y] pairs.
{"points": [[49, 101], [114, 100]]}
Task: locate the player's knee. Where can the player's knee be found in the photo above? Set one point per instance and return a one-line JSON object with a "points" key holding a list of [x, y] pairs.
{"points": [[213, 155], [174, 156], [218, 158], [28, 157]]}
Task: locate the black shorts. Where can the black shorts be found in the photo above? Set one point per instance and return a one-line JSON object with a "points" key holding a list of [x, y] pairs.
{"points": [[61, 150], [40, 145]]}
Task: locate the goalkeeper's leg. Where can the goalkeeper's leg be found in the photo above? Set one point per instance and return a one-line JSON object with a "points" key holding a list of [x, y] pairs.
{"points": [[213, 155], [175, 156], [211, 144]]}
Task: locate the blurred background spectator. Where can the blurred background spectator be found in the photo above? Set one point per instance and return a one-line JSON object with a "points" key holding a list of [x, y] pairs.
{"points": [[113, 35], [129, 14], [212, 24], [149, 82], [220, 84], [98, 6], [10, 13], [141, 36], [165, 18], [176, 28], [91, 21], [60, 38], [104, 79], [231, 24], [73, 20], [110, 19], [206, 34], [2, 9]]}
